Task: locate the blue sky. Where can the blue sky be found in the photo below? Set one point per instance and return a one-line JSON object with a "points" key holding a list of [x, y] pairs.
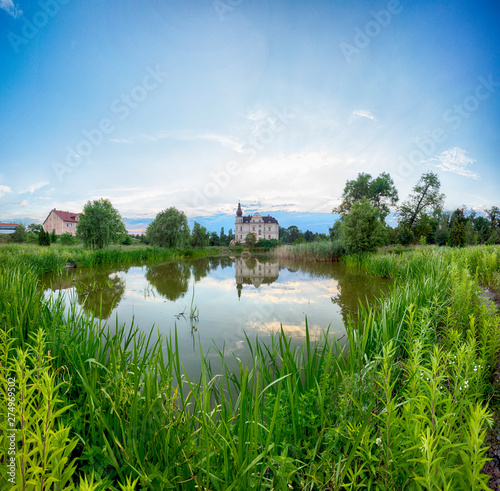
{"points": [[199, 104]]}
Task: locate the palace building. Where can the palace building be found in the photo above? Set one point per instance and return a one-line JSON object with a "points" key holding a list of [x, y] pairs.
{"points": [[264, 227]]}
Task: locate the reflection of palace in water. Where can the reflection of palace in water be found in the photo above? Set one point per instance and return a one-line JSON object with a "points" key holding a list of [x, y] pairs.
{"points": [[251, 271]]}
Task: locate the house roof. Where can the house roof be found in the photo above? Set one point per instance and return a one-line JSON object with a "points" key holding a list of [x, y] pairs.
{"points": [[65, 216], [268, 219], [9, 224]]}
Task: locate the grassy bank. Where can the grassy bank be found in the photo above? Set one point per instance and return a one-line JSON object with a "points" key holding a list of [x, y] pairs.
{"points": [[405, 408], [45, 259], [311, 251]]}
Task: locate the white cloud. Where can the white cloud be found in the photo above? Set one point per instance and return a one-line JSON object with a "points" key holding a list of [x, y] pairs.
{"points": [[361, 114], [455, 160], [4, 190], [35, 187], [10, 8], [226, 141]]}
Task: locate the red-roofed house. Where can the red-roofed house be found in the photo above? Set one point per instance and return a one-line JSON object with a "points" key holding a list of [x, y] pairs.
{"points": [[61, 222]]}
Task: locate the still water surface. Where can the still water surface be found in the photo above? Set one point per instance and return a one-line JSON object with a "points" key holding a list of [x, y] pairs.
{"points": [[229, 296]]}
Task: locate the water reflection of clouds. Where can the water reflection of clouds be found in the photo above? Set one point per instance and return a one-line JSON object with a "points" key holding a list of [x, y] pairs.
{"points": [[296, 331]]}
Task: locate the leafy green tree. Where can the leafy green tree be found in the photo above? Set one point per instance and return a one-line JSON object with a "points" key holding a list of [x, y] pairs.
{"points": [[53, 236], [458, 236], [404, 235], [100, 224], [43, 238], [426, 198], [230, 236], [294, 233], [223, 237], [494, 216], [169, 229], [284, 235], [309, 236], [251, 239], [380, 192], [361, 230], [482, 228], [67, 239], [34, 227], [334, 230], [19, 234], [442, 235], [214, 239], [199, 236]]}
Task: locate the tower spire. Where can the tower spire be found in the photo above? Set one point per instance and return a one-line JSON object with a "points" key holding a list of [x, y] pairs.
{"points": [[238, 211]]}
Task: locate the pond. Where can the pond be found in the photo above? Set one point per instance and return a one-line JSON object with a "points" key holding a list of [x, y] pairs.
{"points": [[215, 301]]}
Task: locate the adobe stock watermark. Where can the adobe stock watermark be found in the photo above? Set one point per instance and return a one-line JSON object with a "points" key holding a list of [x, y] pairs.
{"points": [[363, 37], [48, 10], [121, 107], [455, 117], [222, 7], [221, 179]]}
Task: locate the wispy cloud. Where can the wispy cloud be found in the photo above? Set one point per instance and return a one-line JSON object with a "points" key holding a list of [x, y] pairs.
{"points": [[361, 113], [4, 190], [226, 141], [455, 160], [10, 8], [35, 187]]}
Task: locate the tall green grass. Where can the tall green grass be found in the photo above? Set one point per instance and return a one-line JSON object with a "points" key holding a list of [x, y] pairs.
{"points": [[311, 251], [403, 406], [46, 259]]}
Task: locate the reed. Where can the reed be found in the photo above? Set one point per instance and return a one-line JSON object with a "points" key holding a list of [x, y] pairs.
{"points": [[312, 251]]}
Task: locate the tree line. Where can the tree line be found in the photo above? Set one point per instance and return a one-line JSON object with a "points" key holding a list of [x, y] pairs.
{"points": [[366, 202], [365, 205]]}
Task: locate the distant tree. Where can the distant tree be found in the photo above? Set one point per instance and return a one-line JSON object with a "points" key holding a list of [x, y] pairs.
{"points": [[380, 192], [126, 240], [284, 235], [34, 227], [43, 238], [309, 236], [223, 237], [482, 228], [293, 233], [251, 239], [267, 243], [199, 236], [230, 236], [53, 236], [67, 239], [493, 216], [425, 198], [361, 230], [19, 234], [214, 239], [100, 224], [404, 235], [334, 230], [169, 229], [442, 235], [458, 236]]}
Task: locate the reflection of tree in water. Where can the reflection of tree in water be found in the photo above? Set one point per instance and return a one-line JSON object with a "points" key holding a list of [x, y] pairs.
{"points": [[100, 294], [98, 289], [353, 287], [356, 289], [201, 267], [171, 280]]}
